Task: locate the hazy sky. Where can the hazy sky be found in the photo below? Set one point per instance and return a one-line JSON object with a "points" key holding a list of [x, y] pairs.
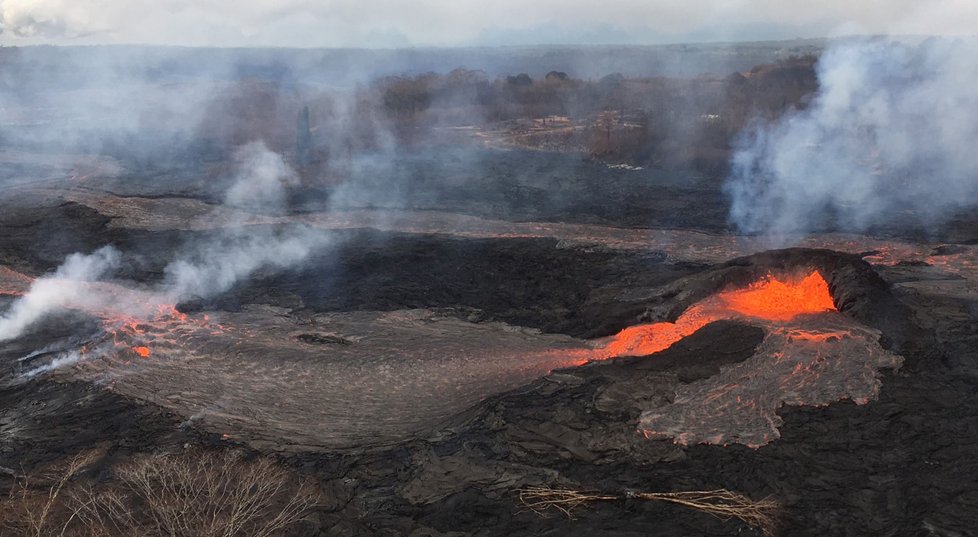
{"points": [[389, 23]]}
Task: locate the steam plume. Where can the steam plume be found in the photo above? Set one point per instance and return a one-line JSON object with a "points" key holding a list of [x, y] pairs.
{"points": [[890, 132], [217, 265], [261, 180], [62, 360], [63, 288], [208, 269]]}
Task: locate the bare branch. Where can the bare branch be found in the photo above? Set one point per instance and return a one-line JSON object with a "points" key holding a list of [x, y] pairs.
{"points": [[761, 515]]}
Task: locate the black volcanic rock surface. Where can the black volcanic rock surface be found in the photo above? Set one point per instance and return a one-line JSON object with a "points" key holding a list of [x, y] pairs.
{"points": [[897, 466], [526, 282], [901, 465]]}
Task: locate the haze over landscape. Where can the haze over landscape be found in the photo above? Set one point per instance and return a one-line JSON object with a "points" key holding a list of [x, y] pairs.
{"points": [[296, 268]]}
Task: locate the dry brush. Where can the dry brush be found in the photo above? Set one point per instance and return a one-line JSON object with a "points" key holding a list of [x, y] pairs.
{"points": [[192, 494], [762, 515]]}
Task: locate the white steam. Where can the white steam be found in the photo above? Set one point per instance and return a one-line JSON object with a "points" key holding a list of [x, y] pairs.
{"points": [[209, 268], [62, 360], [59, 290], [217, 265], [262, 178], [890, 135]]}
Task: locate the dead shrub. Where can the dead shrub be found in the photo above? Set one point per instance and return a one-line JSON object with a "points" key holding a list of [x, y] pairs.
{"points": [[38, 506], [194, 494], [762, 515]]}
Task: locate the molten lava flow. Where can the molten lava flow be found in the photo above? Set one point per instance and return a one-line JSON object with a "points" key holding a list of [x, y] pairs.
{"points": [[770, 299], [153, 333], [812, 360], [774, 300], [651, 338], [168, 310]]}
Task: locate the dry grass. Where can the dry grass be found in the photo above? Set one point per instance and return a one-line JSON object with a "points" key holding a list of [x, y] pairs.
{"points": [[762, 515], [194, 494]]}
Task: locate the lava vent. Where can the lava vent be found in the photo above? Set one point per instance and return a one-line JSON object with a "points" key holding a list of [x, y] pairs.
{"points": [[811, 355]]}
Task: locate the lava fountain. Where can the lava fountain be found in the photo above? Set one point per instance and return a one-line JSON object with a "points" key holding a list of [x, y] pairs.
{"points": [[770, 299]]}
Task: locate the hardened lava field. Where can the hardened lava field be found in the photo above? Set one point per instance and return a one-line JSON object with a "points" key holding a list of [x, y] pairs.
{"points": [[445, 302]]}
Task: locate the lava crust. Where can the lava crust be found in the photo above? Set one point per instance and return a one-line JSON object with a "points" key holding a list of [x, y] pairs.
{"points": [[483, 331]]}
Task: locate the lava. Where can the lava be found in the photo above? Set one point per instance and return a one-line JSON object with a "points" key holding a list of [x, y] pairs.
{"points": [[770, 299], [811, 361], [158, 330], [831, 358], [775, 300], [170, 311], [652, 338]]}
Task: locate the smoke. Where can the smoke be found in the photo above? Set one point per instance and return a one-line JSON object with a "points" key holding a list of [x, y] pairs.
{"points": [[887, 140], [206, 268], [262, 178], [61, 360], [59, 290], [216, 265], [219, 265]]}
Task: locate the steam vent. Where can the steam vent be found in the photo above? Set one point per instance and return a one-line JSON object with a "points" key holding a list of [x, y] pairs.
{"points": [[717, 290]]}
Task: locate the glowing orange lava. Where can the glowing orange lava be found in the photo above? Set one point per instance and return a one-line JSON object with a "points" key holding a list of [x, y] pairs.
{"points": [[775, 300], [770, 299], [169, 310], [134, 334]]}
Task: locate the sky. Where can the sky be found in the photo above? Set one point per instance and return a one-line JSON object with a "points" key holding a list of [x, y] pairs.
{"points": [[395, 23]]}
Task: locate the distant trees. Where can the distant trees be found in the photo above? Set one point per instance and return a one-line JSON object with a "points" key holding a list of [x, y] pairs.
{"points": [[668, 121], [248, 110], [616, 137], [404, 98]]}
